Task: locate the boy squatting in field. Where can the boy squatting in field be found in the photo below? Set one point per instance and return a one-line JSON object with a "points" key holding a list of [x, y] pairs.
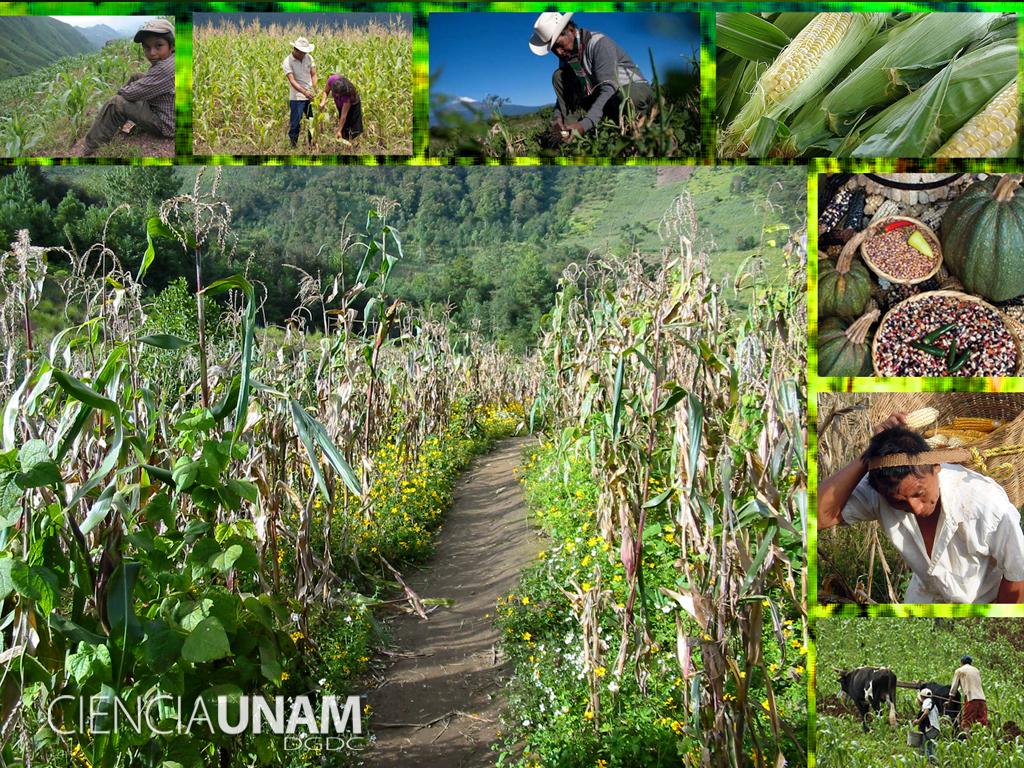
{"points": [[962, 537], [147, 99], [592, 76], [300, 69], [350, 106]]}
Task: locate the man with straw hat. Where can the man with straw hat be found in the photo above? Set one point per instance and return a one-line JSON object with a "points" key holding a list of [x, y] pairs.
{"points": [[967, 680], [594, 76], [300, 69], [955, 528]]}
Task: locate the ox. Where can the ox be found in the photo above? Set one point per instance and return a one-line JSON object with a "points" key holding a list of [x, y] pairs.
{"points": [[950, 707], [870, 687]]}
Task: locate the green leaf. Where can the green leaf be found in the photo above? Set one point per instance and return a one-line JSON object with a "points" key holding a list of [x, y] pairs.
{"points": [[72, 631], [10, 499], [658, 500], [207, 642], [100, 509], [749, 36], [35, 582], [764, 136], [159, 509], [166, 341], [223, 561], [124, 624], [311, 430], [6, 582], [90, 660], [37, 467], [163, 645]]}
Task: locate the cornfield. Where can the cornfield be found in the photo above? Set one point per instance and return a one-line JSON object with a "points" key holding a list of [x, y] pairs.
{"points": [[692, 421], [178, 513], [240, 95]]}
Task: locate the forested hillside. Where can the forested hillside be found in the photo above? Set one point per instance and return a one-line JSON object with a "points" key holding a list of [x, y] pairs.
{"points": [[487, 243], [28, 43]]}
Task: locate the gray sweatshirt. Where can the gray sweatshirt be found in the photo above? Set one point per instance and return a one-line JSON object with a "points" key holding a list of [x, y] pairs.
{"points": [[608, 68]]}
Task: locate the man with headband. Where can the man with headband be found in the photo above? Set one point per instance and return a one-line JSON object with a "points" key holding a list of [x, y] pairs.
{"points": [[955, 528]]}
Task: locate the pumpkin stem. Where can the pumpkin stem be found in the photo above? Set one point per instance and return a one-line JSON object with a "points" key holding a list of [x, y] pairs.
{"points": [[845, 259], [1005, 187], [857, 333]]}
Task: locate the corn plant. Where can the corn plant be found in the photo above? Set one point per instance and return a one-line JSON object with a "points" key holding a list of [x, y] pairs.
{"points": [[241, 98], [697, 417]]}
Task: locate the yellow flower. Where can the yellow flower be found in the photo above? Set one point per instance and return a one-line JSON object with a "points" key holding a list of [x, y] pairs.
{"points": [[285, 675], [526, 601], [600, 671], [527, 636], [588, 715]]}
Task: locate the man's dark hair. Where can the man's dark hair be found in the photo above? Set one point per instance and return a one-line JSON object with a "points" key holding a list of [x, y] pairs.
{"points": [[887, 480], [162, 35], [570, 26]]}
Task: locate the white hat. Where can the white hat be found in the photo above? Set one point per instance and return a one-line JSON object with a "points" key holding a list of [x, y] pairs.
{"points": [[547, 29], [924, 693], [303, 45]]}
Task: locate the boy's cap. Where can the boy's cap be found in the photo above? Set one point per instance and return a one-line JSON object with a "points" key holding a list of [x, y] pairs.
{"points": [[155, 27], [303, 45]]}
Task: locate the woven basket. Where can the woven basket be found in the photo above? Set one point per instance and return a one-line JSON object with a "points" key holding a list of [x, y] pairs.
{"points": [[1007, 322], [1007, 469], [930, 236]]}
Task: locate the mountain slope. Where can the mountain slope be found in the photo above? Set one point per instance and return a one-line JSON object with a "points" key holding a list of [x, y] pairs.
{"points": [[98, 35], [28, 43]]}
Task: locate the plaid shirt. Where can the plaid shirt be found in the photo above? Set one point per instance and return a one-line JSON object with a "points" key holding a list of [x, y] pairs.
{"points": [[156, 87]]}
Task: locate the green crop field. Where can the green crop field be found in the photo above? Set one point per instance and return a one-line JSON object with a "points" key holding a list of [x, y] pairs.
{"points": [[44, 113], [918, 649], [240, 95]]}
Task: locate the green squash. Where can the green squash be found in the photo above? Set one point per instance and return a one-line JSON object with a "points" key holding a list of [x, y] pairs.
{"points": [[983, 238], [844, 348], [844, 287]]}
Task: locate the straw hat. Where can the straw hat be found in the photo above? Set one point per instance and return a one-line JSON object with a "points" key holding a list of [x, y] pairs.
{"points": [[303, 45], [547, 29]]}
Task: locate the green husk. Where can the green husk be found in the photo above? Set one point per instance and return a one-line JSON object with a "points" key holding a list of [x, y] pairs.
{"points": [[907, 61], [973, 81], [740, 132]]}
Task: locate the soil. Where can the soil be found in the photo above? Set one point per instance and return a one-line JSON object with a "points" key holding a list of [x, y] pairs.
{"points": [[138, 144], [670, 174], [441, 702]]}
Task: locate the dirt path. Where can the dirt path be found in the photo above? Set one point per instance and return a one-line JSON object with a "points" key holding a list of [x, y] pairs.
{"points": [[456, 682]]}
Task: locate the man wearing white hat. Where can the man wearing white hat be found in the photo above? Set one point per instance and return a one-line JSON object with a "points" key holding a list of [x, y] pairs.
{"points": [[594, 74], [300, 69]]}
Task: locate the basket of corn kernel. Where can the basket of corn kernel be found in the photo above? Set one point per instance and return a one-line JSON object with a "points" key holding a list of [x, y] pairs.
{"points": [[963, 428], [946, 333], [901, 250]]}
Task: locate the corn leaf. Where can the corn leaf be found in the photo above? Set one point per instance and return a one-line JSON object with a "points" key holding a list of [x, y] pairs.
{"points": [[749, 36]]}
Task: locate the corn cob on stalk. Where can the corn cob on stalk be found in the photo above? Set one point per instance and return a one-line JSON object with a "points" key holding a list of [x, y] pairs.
{"points": [[991, 132], [906, 61], [801, 71], [977, 423], [922, 417]]}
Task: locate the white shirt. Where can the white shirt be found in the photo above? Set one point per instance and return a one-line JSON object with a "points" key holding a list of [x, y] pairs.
{"points": [[967, 680], [303, 71], [978, 540], [933, 714]]}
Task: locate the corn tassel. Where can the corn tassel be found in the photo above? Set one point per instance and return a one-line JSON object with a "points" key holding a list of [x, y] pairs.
{"points": [[922, 417], [801, 71], [991, 132]]}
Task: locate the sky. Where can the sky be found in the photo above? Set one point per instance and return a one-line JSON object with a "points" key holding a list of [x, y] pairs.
{"points": [[114, 22], [480, 54]]}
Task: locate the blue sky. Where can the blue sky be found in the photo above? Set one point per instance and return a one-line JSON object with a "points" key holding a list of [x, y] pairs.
{"points": [[487, 53]]}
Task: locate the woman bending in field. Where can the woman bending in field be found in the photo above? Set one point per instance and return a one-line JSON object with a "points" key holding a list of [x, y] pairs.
{"points": [[350, 108]]}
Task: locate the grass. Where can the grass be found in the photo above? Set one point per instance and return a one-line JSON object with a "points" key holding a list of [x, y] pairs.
{"points": [[240, 97], [44, 114]]}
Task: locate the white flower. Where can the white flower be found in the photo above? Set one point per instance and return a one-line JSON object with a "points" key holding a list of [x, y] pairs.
{"points": [[613, 686]]}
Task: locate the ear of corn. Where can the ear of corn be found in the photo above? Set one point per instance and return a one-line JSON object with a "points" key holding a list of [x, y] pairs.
{"points": [[802, 70], [963, 434], [991, 132], [907, 61], [922, 417], [973, 80], [977, 423]]}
